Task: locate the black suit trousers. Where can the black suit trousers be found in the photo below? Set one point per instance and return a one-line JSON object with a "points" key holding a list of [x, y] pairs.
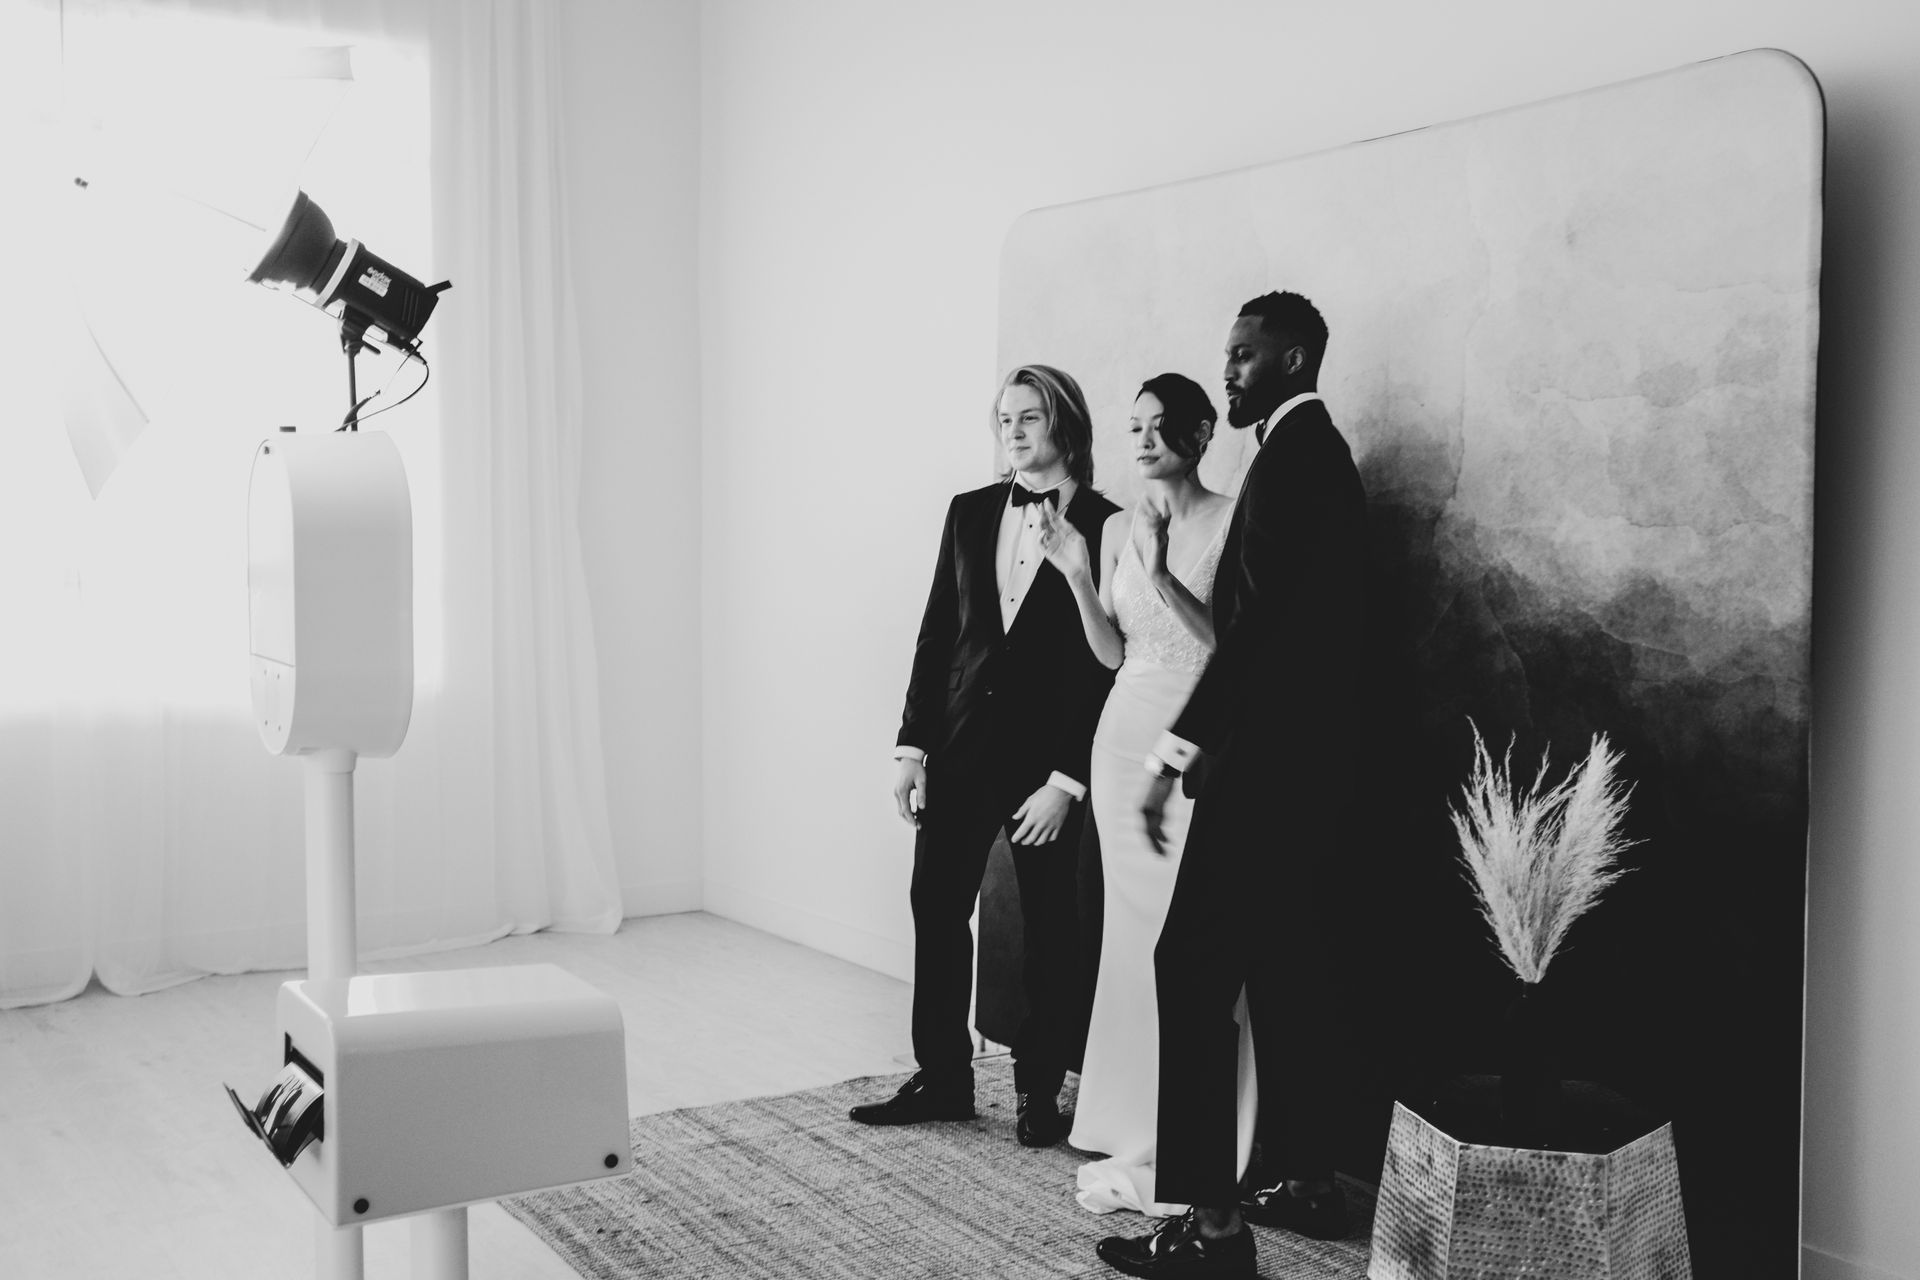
{"points": [[1247, 909], [949, 859]]}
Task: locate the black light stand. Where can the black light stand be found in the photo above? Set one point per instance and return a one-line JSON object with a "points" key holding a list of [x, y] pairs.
{"points": [[352, 341]]}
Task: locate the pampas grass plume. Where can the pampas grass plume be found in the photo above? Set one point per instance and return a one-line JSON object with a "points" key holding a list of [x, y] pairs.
{"points": [[1541, 856]]}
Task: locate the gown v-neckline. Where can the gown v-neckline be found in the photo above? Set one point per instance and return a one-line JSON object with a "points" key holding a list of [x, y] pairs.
{"points": [[1219, 532]]}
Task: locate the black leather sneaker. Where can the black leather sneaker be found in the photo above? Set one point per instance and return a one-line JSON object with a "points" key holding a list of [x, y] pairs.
{"points": [[1176, 1249], [919, 1100]]}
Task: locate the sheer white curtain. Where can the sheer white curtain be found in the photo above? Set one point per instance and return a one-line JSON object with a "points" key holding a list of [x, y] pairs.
{"points": [[146, 836]]}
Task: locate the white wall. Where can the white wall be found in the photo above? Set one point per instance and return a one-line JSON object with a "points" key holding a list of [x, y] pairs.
{"points": [[632, 155], [860, 161]]}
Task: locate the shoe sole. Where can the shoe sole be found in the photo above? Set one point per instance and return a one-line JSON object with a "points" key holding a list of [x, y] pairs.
{"points": [[882, 1122], [1249, 1272]]}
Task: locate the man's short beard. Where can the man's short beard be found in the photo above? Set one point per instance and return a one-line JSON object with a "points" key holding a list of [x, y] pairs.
{"points": [[1246, 411]]}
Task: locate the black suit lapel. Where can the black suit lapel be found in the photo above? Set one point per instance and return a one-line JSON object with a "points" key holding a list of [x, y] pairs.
{"points": [[1083, 514], [980, 575], [1226, 589], [1226, 579]]}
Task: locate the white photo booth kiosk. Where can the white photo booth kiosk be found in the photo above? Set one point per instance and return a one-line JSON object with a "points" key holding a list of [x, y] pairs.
{"points": [[410, 1093]]}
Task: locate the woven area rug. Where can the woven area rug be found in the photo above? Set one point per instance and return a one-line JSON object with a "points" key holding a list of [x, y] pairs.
{"points": [[788, 1188]]}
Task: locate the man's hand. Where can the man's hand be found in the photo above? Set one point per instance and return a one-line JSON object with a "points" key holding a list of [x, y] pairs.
{"points": [[910, 790], [1153, 808], [1041, 816]]}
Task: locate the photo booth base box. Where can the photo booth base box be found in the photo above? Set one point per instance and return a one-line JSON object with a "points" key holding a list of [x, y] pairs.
{"points": [[454, 1087]]}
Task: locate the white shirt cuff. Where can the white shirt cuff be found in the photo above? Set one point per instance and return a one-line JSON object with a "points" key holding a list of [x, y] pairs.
{"points": [[1176, 751], [1078, 790], [910, 753]]}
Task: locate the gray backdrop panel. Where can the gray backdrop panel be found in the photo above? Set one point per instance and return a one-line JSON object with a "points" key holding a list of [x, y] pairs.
{"points": [[1572, 345]]}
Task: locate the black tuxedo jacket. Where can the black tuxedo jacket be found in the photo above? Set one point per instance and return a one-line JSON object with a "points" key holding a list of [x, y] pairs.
{"points": [[1280, 691], [1026, 701]]}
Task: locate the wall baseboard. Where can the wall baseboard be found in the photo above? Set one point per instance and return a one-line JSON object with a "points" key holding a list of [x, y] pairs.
{"points": [[890, 956], [1818, 1264], [661, 897]]}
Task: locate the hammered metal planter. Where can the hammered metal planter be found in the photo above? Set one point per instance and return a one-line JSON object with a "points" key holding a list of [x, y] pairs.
{"points": [[1452, 1210]]}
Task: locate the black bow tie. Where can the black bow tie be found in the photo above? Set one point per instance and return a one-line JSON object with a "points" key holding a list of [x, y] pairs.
{"points": [[1023, 495]]}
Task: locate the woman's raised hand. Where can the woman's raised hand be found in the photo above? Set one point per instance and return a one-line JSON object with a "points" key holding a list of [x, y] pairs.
{"points": [[1062, 544], [1150, 536]]}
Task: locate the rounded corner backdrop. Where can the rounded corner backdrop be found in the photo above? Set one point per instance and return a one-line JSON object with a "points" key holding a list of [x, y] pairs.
{"points": [[1572, 346]]}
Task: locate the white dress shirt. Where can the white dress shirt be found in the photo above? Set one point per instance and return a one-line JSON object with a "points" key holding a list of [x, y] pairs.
{"points": [[1016, 559], [1173, 750], [1017, 555]]}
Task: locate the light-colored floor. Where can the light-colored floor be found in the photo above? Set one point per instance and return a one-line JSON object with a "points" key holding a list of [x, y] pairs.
{"points": [[120, 1155]]}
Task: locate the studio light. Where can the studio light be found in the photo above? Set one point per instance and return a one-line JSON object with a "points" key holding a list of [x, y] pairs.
{"points": [[346, 279], [376, 303]]}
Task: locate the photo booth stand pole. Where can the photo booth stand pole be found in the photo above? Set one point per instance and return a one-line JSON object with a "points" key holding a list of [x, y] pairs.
{"points": [[333, 948], [440, 1245], [439, 1236], [332, 935], [340, 1253]]}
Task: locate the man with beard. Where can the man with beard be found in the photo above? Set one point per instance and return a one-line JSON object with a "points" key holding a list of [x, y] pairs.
{"points": [[1267, 743]]}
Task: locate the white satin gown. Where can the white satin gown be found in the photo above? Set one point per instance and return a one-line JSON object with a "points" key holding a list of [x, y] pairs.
{"points": [[1119, 1083]]}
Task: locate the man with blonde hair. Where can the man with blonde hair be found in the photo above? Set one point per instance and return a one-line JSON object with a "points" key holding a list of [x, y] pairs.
{"points": [[1000, 712]]}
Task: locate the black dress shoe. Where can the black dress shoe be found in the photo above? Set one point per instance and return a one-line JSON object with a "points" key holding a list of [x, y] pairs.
{"points": [[919, 1099], [1037, 1121], [1322, 1216], [1176, 1249]]}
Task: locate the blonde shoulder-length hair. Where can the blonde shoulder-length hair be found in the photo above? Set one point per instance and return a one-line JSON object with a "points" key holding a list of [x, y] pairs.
{"points": [[1067, 416]]}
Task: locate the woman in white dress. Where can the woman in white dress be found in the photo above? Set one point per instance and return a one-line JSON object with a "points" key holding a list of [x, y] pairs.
{"points": [[1150, 618]]}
